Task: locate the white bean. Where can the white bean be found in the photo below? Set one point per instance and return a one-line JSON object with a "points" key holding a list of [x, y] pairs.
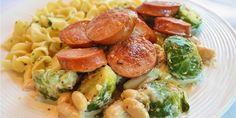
{"points": [[64, 97], [135, 94], [116, 111], [134, 108], [66, 110], [129, 93], [79, 100]]}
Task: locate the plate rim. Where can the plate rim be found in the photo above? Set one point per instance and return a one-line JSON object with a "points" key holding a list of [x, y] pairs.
{"points": [[232, 100]]}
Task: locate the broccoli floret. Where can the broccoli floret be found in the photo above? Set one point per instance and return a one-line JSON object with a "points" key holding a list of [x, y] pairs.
{"points": [[167, 99], [51, 83], [184, 61], [98, 87]]}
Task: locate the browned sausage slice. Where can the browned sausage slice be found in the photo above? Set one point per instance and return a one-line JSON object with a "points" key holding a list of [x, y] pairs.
{"points": [[112, 26], [75, 36], [172, 26], [158, 8], [82, 60], [142, 29], [132, 57]]}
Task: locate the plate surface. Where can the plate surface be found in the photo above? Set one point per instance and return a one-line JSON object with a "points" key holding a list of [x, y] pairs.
{"points": [[209, 99]]}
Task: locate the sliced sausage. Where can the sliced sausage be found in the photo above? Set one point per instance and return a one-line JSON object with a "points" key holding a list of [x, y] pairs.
{"points": [[112, 26], [172, 26], [159, 8], [75, 35], [142, 29], [82, 60], [132, 57]]}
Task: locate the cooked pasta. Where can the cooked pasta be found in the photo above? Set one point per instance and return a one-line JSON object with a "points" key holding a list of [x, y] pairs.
{"points": [[33, 45]]}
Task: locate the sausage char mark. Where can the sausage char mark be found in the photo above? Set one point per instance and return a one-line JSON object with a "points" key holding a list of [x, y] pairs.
{"points": [[132, 57]]}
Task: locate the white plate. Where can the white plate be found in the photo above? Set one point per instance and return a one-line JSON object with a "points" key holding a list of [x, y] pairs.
{"points": [[209, 99]]}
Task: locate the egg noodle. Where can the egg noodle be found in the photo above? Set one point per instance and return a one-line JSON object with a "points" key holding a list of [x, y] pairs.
{"points": [[33, 45]]}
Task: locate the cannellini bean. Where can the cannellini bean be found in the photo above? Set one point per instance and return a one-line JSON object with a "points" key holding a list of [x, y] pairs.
{"points": [[129, 93], [116, 111], [79, 100], [64, 97], [134, 108], [66, 110], [138, 95]]}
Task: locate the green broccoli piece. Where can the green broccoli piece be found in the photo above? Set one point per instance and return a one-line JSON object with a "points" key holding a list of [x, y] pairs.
{"points": [[51, 83], [167, 99], [189, 16], [184, 61], [98, 87]]}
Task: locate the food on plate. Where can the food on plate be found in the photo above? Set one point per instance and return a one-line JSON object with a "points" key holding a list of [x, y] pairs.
{"points": [[132, 57], [159, 98], [109, 58], [51, 83], [139, 95], [189, 16], [207, 55], [112, 26], [143, 30], [116, 110], [159, 8], [136, 82], [134, 108], [66, 110], [160, 54], [75, 35], [82, 60], [127, 108], [149, 20], [183, 59], [167, 99], [64, 98], [172, 26], [98, 87], [76, 109], [79, 100]]}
